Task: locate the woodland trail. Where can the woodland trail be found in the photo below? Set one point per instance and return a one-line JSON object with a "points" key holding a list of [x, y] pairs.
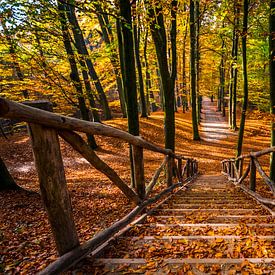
{"points": [[214, 126], [210, 228]]}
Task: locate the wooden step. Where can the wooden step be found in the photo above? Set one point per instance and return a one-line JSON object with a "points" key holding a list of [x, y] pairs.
{"points": [[198, 237]]}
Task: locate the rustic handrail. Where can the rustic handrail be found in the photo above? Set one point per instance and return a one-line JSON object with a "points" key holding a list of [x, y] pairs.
{"points": [[234, 173], [44, 128], [11, 109]]}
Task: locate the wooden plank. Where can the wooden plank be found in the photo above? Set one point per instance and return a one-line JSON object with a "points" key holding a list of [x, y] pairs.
{"points": [[53, 186], [209, 224], [216, 216], [267, 180], [169, 176], [139, 171], [29, 114], [139, 261], [252, 179], [198, 237], [155, 177], [209, 210], [80, 146]]}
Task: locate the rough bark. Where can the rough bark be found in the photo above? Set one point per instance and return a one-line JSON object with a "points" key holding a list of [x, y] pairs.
{"points": [[193, 71], [159, 37], [53, 187], [136, 34], [245, 79], [272, 83]]}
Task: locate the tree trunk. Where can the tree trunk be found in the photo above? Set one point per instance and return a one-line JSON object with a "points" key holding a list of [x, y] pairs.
{"points": [[197, 54], [121, 59], [82, 50], [245, 80], [184, 78], [193, 70], [129, 77], [74, 71], [107, 37], [159, 37], [272, 83], [136, 31], [234, 70], [6, 180], [173, 38]]}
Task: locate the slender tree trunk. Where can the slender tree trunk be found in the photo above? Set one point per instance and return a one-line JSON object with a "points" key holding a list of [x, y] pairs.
{"points": [[184, 78], [74, 71], [193, 71], [138, 62], [245, 80], [197, 27], [129, 76], [272, 82], [107, 37], [6, 180], [149, 93], [222, 70], [159, 37], [234, 64], [82, 50], [173, 38]]}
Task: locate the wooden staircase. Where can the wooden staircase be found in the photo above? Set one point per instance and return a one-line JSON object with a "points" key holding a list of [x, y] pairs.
{"points": [[210, 228]]}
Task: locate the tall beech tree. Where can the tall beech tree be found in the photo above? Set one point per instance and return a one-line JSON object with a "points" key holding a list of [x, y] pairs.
{"points": [[130, 88], [108, 37], [245, 78], [157, 27], [234, 68], [193, 68], [272, 83], [136, 33], [74, 70], [82, 50]]}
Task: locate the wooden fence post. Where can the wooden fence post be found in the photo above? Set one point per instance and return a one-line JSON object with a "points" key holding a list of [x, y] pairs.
{"points": [[139, 171], [240, 167], [55, 195], [188, 168], [252, 181], [180, 169], [170, 171]]}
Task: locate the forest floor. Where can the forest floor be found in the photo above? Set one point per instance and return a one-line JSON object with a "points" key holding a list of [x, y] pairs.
{"points": [[26, 242]]}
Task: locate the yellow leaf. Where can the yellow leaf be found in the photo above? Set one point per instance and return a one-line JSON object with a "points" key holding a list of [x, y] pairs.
{"points": [[219, 255]]}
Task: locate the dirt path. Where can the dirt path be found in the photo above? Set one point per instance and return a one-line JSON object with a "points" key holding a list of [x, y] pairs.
{"points": [[214, 126]]}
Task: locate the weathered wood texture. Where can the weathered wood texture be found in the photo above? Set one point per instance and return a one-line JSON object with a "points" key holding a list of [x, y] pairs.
{"points": [[29, 114], [235, 173], [53, 186], [139, 171], [80, 145]]}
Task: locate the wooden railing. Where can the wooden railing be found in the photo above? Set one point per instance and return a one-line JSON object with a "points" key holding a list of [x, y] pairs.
{"points": [[44, 128], [234, 169]]}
